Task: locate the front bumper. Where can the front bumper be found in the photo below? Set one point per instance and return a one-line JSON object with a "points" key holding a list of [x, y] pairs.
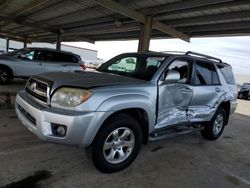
{"points": [[81, 126]]}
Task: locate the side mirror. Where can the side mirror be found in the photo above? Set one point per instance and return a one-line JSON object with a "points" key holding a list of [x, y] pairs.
{"points": [[172, 76]]}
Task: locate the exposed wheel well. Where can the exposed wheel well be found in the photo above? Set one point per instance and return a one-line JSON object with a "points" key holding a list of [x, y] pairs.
{"points": [[9, 69], [141, 116], [226, 106]]}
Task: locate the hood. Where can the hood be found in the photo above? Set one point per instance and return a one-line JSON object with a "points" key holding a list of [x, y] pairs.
{"points": [[86, 79]]}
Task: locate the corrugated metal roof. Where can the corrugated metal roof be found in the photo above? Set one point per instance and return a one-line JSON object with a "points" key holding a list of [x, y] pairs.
{"points": [[80, 20]]}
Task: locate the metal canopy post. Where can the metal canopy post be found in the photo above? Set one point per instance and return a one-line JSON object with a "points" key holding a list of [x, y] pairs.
{"points": [[25, 43], [59, 40], [7, 44], [146, 30]]}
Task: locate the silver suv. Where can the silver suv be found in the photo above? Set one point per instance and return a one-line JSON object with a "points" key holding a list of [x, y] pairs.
{"points": [[31, 61], [130, 100]]}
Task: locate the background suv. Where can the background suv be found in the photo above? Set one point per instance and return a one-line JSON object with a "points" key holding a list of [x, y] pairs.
{"points": [[31, 61], [131, 99], [244, 92]]}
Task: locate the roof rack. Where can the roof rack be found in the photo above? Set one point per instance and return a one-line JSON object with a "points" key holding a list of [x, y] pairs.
{"points": [[204, 56], [173, 52]]}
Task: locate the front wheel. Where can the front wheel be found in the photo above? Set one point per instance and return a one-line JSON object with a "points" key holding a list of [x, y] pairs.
{"points": [[117, 144], [215, 127]]}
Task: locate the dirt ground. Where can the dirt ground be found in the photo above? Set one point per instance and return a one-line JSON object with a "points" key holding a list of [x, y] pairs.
{"points": [[184, 161]]}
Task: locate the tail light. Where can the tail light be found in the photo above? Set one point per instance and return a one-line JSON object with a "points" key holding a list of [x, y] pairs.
{"points": [[83, 67]]}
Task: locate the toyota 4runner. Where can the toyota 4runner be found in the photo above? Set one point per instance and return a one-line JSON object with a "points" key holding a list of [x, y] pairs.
{"points": [[130, 100]]}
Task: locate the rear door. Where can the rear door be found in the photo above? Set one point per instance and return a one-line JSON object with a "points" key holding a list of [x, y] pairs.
{"points": [[207, 92], [61, 62], [174, 98]]}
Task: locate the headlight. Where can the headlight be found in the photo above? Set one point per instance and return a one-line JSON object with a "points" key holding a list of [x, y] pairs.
{"points": [[69, 97]]}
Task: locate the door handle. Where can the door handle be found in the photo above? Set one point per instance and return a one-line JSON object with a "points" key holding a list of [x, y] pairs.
{"points": [[217, 89], [186, 90]]}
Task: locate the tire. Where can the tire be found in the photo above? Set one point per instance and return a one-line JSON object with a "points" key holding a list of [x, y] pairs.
{"points": [[5, 75], [213, 130], [117, 132], [240, 96]]}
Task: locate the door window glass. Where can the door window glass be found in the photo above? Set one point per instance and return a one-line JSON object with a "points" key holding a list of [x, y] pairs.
{"points": [[28, 55], [203, 73], [182, 67], [63, 57]]}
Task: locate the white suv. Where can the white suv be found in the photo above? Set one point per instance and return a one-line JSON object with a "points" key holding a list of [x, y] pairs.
{"points": [[31, 61]]}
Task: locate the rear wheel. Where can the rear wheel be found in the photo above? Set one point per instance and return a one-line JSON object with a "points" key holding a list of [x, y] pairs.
{"points": [[5, 75], [117, 144], [215, 127]]}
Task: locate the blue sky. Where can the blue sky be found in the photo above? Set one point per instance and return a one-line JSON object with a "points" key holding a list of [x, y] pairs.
{"points": [[233, 50]]}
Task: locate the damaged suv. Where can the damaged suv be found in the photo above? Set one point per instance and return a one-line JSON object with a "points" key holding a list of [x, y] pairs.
{"points": [[130, 100]]}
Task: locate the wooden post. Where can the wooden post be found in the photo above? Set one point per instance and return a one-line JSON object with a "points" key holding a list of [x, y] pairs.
{"points": [[146, 30]]}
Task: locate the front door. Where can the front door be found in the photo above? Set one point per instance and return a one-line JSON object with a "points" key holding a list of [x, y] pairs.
{"points": [[27, 64], [174, 98]]}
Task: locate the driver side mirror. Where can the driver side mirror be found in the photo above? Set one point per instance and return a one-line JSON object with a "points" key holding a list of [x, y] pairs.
{"points": [[172, 76]]}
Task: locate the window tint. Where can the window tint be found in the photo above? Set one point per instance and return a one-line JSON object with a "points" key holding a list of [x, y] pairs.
{"points": [[63, 57], [28, 55], [203, 74], [227, 72], [180, 66], [40, 55], [126, 64]]}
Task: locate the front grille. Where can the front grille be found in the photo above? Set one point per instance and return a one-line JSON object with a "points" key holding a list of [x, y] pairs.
{"points": [[27, 115], [38, 90]]}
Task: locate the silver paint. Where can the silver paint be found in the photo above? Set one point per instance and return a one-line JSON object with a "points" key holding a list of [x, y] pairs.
{"points": [[178, 103]]}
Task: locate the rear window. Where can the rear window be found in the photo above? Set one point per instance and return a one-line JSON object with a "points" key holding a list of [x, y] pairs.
{"points": [[227, 72]]}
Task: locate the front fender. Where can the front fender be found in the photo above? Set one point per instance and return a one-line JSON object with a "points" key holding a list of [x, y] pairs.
{"points": [[122, 102], [117, 103]]}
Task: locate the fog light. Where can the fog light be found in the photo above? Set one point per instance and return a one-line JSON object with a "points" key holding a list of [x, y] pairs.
{"points": [[61, 131], [58, 130]]}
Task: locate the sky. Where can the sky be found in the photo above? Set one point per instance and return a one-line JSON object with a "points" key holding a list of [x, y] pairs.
{"points": [[232, 50]]}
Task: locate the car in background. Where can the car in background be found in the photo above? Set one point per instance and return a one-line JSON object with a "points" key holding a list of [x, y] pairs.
{"points": [[26, 62], [244, 92]]}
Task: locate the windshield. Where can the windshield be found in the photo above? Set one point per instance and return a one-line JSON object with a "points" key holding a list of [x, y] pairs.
{"points": [[139, 66]]}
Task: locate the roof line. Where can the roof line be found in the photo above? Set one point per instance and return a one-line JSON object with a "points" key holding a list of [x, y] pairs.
{"points": [[79, 47]]}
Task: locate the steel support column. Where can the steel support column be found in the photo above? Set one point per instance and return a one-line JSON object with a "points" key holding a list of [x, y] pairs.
{"points": [[145, 35], [59, 41], [25, 43], [7, 44]]}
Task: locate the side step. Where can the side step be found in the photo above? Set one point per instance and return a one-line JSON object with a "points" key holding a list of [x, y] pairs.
{"points": [[170, 133]]}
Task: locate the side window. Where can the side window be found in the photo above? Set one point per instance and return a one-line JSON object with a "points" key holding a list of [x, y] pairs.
{"points": [[40, 55], [49, 56], [203, 74], [181, 66], [63, 57], [28, 55], [127, 64], [227, 72]]}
